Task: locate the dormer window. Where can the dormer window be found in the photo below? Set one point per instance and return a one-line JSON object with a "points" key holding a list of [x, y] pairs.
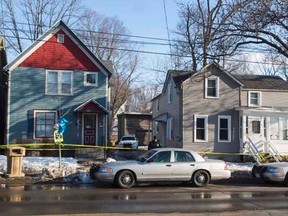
{"points": [[254, 98], [212, 87], [60, 38]]}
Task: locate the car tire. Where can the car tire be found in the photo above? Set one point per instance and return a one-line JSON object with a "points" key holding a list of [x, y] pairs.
{"points": [[125, 179], [200, 178], [286, 180], [266, 180], [255, 171]]}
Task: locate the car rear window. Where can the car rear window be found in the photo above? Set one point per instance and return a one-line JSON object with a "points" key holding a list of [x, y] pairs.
{"points": [[128, 138]]}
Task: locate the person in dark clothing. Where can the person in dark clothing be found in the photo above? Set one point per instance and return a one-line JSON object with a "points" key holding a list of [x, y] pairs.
{"points": [[155, 143]]}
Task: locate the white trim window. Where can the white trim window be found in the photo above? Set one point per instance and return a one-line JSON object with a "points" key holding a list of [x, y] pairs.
{"points": [[157, 127], [44, 123], [254, 98], [200, 128], [60, 38], [90, 79], [212, 87], [59, 82], [170, 96], [224, 128], [157, 105], [170, 128]]}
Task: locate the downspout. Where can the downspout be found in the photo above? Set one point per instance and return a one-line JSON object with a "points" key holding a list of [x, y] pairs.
{"points": [[241, 139], [180, 93]]}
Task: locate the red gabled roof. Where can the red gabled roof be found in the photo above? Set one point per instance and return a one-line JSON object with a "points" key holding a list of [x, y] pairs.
{"points": [[91, 106], [61, 56], [47, 53]]}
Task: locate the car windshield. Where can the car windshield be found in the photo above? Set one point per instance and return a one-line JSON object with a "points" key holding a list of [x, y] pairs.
{"points": [[146, 155], [128, 138]]}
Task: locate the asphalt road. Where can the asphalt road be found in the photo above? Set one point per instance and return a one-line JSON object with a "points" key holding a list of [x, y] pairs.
{"points": [[216, 199]]}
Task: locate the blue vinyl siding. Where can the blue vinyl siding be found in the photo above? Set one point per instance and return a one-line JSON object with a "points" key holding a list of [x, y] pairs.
{"points": [[27, 92]]}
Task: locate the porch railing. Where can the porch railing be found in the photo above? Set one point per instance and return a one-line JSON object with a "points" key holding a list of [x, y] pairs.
{"points": [[273, 151], [257, 151], [253, 150]]}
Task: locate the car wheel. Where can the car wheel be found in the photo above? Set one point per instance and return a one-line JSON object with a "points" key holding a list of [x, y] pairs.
{"points": [[286, 179], [125, 179], [200, 178], [267, 181], [256, 171]]}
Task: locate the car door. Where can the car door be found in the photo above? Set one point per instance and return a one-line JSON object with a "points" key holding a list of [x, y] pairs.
{"points": [[183, 166], [158, 168]]}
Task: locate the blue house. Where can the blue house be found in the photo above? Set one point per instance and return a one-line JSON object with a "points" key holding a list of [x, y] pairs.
{"points": [[57, 76]]}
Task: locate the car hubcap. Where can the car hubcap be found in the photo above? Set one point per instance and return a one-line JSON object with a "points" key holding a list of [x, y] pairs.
{"points": [[126, 179], [201, 178]]}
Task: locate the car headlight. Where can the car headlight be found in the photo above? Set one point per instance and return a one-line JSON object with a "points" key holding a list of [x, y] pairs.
{"points": [[106, 170]]}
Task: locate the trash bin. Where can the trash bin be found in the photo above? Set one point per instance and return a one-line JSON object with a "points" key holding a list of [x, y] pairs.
{"points": [[15, 161]]}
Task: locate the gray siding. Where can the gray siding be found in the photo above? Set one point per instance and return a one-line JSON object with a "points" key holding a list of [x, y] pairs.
{"points": [[195, 103], [173, 110], [269, 98], [27, 90]]}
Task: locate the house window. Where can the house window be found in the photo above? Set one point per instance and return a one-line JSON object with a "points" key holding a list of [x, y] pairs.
{"points": [[156, 127], [157, 105], [170, 93], [90, 79], [200, 128], [224, 128], [60, 38], [59, 82], [212, 87], [170, 128], [256, 127], [44, 123], [254, 98]]}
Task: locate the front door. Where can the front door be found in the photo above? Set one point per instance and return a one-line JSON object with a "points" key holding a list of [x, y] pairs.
{"points": [[256, 132], [90, 129], [255, 128]]}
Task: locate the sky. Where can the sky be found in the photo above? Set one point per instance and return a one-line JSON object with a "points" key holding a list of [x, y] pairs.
{"points": [[141, 17], [144, 18]]}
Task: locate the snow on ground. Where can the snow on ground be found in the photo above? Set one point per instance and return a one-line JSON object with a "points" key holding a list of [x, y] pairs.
{"points": [[49, 167]]}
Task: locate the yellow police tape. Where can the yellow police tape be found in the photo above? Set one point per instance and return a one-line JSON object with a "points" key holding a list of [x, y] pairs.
{"points": [[69, 147]]}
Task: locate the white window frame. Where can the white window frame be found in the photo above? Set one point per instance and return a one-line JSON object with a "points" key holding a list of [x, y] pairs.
{"points": [[228, 118], [169, 128], [170, 99], [259, 99], [60, 38], [205, 117], [157, 105], [217, 87], [156, 127], [90, 84], [35, 122], [59, 83]]}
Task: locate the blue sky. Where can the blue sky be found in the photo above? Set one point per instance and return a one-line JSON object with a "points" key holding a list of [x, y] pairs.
{"points": [[142, 18]]}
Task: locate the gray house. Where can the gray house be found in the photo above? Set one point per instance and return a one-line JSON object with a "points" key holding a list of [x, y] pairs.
{"points": [[57, 76], [212, 110]]}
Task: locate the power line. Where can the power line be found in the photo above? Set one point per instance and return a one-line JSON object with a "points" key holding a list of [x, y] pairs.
{"points": [[132, 36], [156, 53]]}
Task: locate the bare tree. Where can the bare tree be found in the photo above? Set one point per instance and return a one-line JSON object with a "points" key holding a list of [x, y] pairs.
{"points": [[202, 33], [141, 99], [28, 19], [262, 23], [108, 39]]}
